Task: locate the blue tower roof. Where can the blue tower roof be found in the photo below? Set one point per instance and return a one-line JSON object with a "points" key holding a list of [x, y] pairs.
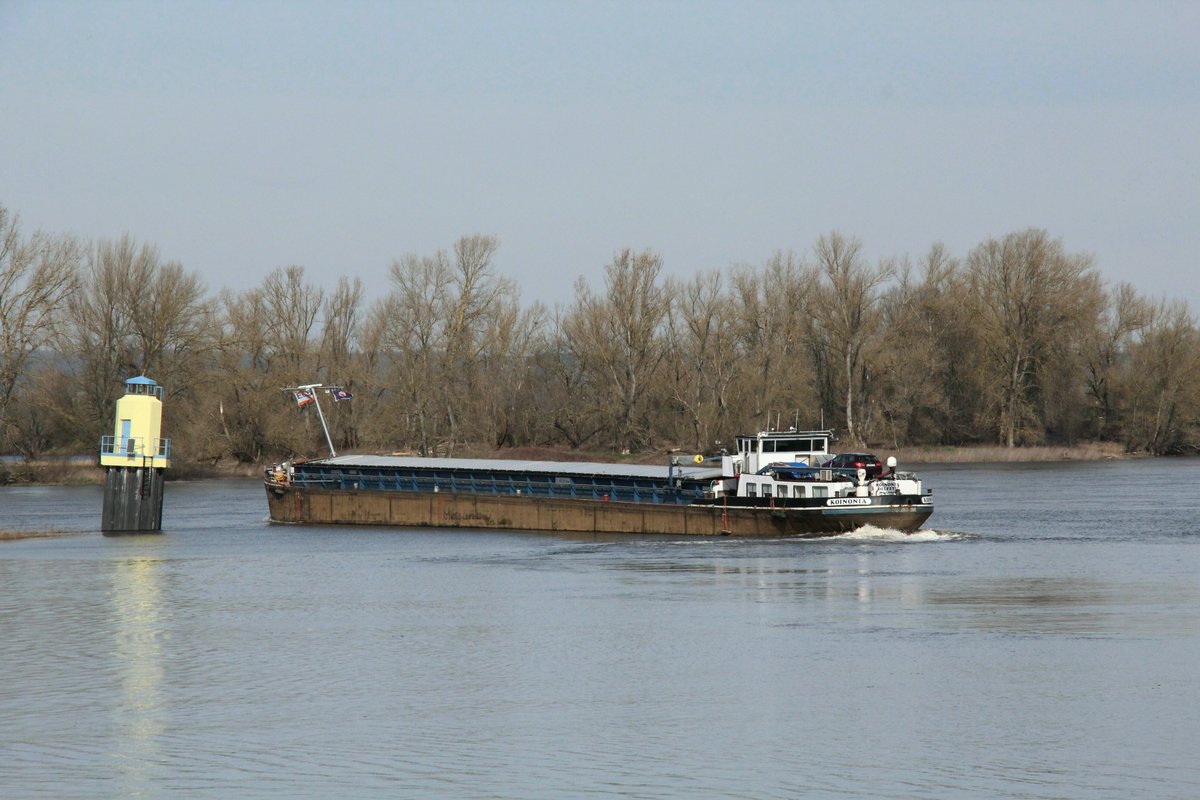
{"points": [[140, 380]]}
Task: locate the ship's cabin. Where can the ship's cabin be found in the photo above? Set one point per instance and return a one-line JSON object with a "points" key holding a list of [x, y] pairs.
{"points": [[768, 447], [783, 465]]}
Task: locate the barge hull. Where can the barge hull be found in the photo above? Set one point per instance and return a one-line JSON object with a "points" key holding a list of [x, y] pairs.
{"points": [[291, 504]]}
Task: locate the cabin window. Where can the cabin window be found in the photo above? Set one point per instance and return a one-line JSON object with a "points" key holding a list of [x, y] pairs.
{"points": [[783, 491], [767, 490], [751, 490], [799, 491], [820, 491], [790, 446]]}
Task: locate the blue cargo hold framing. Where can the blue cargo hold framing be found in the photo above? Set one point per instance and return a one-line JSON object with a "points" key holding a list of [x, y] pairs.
{"points": [[676, 491]]}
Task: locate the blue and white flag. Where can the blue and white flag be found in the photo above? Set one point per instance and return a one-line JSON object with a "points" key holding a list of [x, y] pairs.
{"points": [[341, 394]]}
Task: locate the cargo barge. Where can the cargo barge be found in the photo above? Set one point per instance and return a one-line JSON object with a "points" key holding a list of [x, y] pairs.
{"points": [[776, 484]]}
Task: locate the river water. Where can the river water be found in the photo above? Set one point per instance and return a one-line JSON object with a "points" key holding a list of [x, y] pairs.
{"points": [[1040, 640]]}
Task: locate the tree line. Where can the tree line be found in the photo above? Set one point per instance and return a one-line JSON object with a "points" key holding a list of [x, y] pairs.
{"points": [[1017, 342]]}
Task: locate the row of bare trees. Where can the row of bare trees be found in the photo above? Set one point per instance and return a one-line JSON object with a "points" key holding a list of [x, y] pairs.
{"points": [[1019, 342]]}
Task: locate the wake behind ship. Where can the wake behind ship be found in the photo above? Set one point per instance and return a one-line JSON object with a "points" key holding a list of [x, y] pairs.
{"points": [[778, 483]]}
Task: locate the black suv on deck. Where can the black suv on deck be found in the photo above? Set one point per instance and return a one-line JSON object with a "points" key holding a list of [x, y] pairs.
{"points": [[867, 461]]}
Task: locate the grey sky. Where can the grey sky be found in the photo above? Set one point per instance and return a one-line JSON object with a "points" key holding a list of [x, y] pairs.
{"points": [[244, 136]]}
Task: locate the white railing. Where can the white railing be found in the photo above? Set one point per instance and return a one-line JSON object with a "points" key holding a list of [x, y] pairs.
{"points": [[134, 447]]}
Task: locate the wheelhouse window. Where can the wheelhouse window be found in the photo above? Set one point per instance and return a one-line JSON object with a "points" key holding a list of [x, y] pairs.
{"points": [[794, 445]]}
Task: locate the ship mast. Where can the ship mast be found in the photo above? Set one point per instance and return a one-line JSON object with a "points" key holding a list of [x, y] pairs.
{"points": [[310, 389]]}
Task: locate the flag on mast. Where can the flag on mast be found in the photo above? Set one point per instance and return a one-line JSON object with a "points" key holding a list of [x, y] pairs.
{"points": [[341, 394], [303, 397]]}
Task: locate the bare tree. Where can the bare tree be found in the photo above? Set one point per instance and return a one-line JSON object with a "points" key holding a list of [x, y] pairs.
{"points": [[448, 336], [924, 360], [172, 324], [771, 314], [1027, 291], [704, 356], [1163, 403], [102, 338], [269, 340], [849, 312], [339, 333], [292, 308], [412, 322], [134, 314], [501, 414], [1122, 316], [37, 275], [481, 309], [617, 339], [341, 354], [569, 397]]}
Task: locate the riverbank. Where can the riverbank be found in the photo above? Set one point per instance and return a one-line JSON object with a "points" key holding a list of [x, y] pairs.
{"points": [[12, 536], [57, 473], [993, 454], [78, 473], [87, 473]]}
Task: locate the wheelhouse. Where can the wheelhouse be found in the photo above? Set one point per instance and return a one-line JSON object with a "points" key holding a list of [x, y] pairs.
{"points": [[809, 448]]}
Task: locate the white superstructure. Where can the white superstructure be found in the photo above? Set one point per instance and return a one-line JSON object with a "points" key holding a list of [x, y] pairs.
{"points": [[788, 465]]}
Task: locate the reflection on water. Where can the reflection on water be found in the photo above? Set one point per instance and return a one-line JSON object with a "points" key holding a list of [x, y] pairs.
{"points": [[1062, 591], [137, 604], [1074, 605], [1045, 655]]}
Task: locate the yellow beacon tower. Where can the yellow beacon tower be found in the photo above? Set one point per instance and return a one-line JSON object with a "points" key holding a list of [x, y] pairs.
{"points": [[134, 458]]}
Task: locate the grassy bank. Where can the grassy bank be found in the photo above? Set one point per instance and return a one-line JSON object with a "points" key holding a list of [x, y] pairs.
{"points": [[59, 473], [1091, 451], [12, 536]]}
